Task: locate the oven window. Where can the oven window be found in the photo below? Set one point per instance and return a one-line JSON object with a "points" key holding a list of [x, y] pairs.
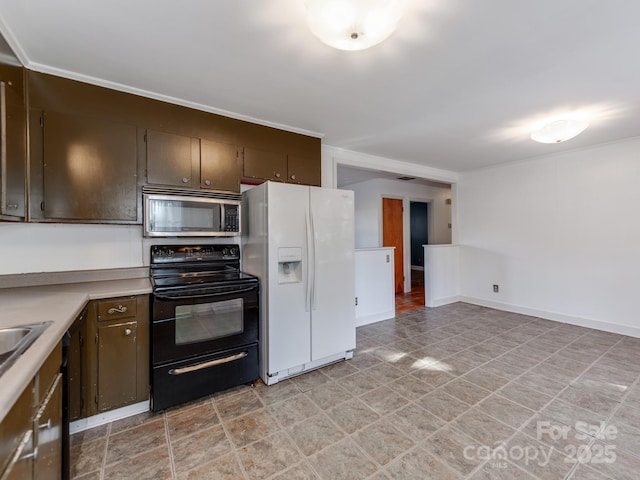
{"points": [[208, 321]]}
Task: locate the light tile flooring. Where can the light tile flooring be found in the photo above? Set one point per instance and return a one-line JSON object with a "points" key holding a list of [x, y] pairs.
{"points": [[452, 392]]}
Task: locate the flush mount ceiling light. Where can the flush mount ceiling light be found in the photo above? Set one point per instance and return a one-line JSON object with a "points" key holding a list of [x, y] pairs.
{"points": [[558, 130], [353, 24]]}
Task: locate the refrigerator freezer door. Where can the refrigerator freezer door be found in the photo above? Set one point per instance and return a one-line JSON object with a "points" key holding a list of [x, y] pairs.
{"points": [[333, 290], [288, 336]]}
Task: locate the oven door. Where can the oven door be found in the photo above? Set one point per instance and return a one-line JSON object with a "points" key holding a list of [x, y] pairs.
{"points": [[190, 324]]}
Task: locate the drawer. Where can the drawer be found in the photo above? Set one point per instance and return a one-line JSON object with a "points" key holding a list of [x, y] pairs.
{"points": [[116, 309]]}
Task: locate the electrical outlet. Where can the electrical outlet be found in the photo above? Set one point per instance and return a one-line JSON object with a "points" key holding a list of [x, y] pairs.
{"points": [[496, 288]]}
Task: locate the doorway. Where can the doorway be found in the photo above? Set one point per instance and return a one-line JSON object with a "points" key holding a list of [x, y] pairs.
{"points": [[419, 231], [392, 237]]}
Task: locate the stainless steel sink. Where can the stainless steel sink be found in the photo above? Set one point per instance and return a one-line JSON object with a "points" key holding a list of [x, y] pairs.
{"points": [[14, 341]]}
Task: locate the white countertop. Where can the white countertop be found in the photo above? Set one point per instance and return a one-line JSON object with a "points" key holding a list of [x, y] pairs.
{"points": [[59, 304], [374, 248]]}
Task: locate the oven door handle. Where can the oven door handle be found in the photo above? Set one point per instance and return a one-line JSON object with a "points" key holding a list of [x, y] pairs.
{"points": [[164, 296], [211, 363]]}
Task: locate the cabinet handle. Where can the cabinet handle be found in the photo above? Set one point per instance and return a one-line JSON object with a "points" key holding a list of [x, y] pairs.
{"points": [[127, 332], [185, 180], [119, 309], [277, 174], [207, 182], [293, 177], [45, 425]]}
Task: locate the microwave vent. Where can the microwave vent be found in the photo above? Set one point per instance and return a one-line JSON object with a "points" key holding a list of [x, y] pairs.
{"points": [[160, 190]]}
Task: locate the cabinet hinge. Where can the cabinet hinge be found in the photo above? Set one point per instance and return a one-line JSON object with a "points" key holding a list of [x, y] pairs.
{"points": [[95, 399], [145, 138], [81, 341], [96, 339], [356, 301], [42, 120], [42, 206]]}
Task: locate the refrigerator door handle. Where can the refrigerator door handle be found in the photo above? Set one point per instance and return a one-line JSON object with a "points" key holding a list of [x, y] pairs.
{"points": [[313, 259], [307, 299]]}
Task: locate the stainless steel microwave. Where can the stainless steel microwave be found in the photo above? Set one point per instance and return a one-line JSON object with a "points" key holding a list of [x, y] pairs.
{"points": [[190, 213]]}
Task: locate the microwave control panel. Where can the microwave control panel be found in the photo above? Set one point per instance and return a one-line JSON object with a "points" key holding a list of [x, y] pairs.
{"points": [[231, 218]]}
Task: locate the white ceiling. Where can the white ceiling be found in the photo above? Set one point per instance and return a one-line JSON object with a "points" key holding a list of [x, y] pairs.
{"points": [[456, 87]]}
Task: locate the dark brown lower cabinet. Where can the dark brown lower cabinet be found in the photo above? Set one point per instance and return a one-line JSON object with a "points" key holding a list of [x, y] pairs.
{"points": [[117, 353], [31, 433], [47, 427], [16, 437], [117, 375]]}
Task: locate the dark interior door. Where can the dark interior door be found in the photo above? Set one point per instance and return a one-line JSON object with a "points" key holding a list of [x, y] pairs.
{"points": [[419, 232]]}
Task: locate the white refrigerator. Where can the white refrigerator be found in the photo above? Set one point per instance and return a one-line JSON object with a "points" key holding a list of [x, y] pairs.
{"points": [[299, 241]]}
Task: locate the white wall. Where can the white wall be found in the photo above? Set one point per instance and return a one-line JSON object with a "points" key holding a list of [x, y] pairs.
{"points": [[368, 213], [39, 247], [54, 247], [368, 207], [441, 274], [560, 235]]}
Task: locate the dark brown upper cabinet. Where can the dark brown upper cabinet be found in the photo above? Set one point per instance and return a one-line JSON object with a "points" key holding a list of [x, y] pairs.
{"points": [[172, 159], [181, 161], [90, 169], [220, 166], [279, 167], [264, 165], [303, 170], [13, 137], [142, 140]]}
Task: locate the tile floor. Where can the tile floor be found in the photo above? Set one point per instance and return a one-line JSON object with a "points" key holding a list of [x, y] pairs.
{"points": [[453, 392]]}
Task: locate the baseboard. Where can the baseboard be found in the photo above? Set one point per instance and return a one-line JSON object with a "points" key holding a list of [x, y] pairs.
{"points": [[108, 417], [438, 302], [376, 317], [558, 317]]}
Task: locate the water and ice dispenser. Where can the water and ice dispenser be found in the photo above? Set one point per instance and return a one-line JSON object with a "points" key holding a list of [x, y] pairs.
{"points": [[290, 265]]}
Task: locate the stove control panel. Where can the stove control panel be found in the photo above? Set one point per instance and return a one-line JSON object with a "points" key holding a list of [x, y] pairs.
{"points": [[193, 253]]}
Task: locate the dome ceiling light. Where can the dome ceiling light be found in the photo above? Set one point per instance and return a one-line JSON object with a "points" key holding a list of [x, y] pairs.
{"points": [[353, 24], [558, 130]]}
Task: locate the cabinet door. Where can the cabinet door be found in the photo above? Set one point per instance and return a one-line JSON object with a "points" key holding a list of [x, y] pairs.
{"points": [[48, 427], [76, 365], [303, 170], [89, 169], [172, 159], [13, 158], [117, 366], [220, 166], [21, 465], [265, 165], [14, 426]]}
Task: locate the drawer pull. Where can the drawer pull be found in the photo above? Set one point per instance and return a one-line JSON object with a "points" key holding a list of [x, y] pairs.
{"points": [[45, 425], [212, 363], [127, 332], [119, 309]]}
